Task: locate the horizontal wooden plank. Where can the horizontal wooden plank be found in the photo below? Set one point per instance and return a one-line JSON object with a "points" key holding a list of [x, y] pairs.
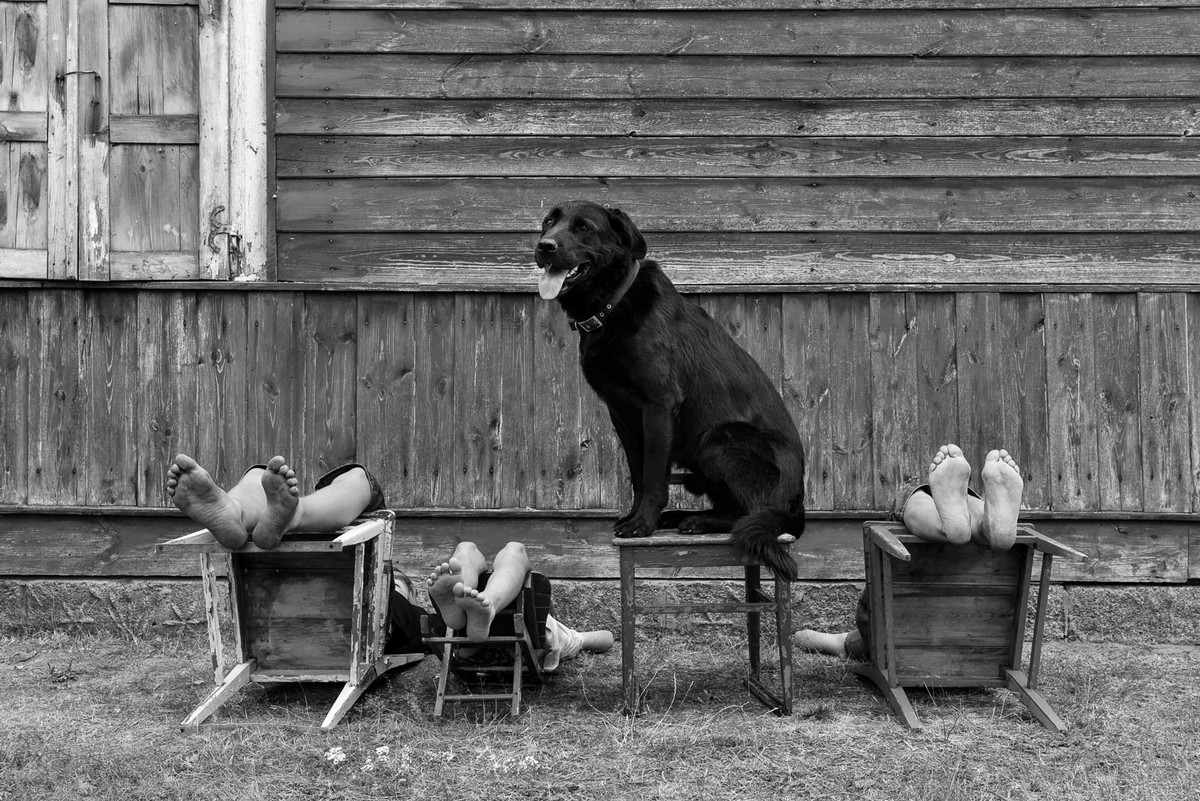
{"points": [[738, 117], [406, 156], [765, 204], [561, 544], [22, 126], [160, 129], [23, 263], [732, 77], [503, 262], [149, 265], [734, 5], [877, 32]]}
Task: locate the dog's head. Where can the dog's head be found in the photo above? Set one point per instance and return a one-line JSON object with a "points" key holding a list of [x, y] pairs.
{"points": [[580, 242]]}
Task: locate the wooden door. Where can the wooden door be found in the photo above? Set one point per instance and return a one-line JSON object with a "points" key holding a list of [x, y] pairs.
{"points": [[108, 109]]}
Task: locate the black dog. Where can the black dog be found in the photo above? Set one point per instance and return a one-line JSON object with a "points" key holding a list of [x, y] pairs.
{"points": [[678, 388]]}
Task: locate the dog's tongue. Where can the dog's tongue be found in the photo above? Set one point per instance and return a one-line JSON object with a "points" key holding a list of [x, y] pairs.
{"points": [[550, 284]]}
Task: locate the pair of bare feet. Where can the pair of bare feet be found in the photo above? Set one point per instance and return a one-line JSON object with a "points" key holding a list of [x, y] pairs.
{"points": [[962, 517], [234, 517], [452, 588]]}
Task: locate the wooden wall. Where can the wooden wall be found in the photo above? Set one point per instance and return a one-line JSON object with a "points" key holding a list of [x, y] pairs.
{"points": [[776, 142], [474, 400]]}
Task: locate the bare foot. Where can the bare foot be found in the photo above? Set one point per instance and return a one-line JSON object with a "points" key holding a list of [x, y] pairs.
{"points": [[440, 586], [949, 473], [194, 491], [283, 496], [1002, 487], [479, 609]]}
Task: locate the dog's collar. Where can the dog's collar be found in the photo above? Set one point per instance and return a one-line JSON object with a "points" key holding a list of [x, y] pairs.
{"points": [[597, 319]]}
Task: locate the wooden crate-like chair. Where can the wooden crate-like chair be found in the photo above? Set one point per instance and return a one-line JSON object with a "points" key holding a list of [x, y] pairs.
{"points": [[517, 638], [954, 615], [674, 551], [314, 608]]}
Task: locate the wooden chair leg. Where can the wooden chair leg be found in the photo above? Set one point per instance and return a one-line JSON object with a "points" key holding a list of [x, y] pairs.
{"points": [[346, 698], [628, 681], [1034, 701], [896, 697], [236, 679]]}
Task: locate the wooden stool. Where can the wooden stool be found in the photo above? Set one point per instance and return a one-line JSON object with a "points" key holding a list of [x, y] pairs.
{"points": [[709, 550], [314, 608], [954, 615], [517, 629]]}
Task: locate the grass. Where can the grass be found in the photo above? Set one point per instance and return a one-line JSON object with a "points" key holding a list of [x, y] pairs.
{"points": [[96, 716]]}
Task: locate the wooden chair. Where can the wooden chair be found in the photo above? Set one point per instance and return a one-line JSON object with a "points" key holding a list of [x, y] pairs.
{"points": [[954, 615], [512, 652], [709, 550], [314, 608]]}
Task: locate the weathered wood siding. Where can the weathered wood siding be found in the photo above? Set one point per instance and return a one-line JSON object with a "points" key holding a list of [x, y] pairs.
{"points": [[757, 144], [474, 400]]}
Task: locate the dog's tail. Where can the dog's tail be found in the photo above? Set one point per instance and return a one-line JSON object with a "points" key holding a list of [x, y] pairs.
{"points": [[757, 534]]}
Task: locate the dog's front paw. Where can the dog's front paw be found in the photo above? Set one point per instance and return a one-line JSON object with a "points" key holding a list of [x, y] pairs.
{"points": [[633, 529]]}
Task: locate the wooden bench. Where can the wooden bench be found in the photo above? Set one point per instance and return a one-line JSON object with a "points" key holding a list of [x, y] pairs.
{"points": [[954, 615], [314, 608]]}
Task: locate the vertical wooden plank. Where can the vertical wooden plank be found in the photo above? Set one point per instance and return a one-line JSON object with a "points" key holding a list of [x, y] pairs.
{"points": [[895, 441], [1166, 469], [386, 394], [220, 384], [936, 357], [249, 219], [561, 465], [1071, 397], [980, 398], [1193, 359], [1118, 399], [476, 399], [93, 80], [62, 139], [108, 441], [514, 466], [1022, 384], [56, 402], [213, 201], [329, 396], [15, 398], [158, 412], [435, 427], [806, 388], [763, 333], [22, 196], [850, 400], [275, 375]]}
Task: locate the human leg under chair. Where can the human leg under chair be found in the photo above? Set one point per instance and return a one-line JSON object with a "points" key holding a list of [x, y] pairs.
{"points": [[454, 590], [944, 510]]}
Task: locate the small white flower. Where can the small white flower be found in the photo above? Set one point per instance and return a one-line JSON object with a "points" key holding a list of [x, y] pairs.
{"points": [[336, 755]]}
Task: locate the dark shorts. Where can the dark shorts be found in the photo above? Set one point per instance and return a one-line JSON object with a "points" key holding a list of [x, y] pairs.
{"points": [[377, 501]]}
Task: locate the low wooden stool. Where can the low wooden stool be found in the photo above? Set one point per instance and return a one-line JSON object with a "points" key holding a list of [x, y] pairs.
{"points": [[954, 615], [314, 608], [708, 550]]}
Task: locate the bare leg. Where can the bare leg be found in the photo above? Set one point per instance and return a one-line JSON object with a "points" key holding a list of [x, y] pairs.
{"points": [[463, 567], [228, 515], [820, 642], [508, 576], [1002, 488], [945, 514]]}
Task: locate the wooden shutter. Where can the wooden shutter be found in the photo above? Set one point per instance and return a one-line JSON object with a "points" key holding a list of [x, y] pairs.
{"points": [[109, 109]]}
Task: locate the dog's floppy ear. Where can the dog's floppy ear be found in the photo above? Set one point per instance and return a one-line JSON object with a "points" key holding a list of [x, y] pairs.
{"points": [[628, 232]]}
